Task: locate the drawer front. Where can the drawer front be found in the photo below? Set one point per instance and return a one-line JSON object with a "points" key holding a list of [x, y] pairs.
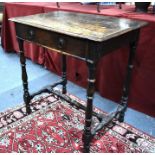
{"points": [[62, 43]]}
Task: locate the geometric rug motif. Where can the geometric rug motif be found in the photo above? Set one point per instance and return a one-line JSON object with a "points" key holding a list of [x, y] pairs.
{"points": [[55, 126]]}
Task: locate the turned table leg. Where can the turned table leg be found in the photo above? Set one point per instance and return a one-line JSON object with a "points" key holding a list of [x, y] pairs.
{"points": [[26, 95], [124, 100], [89, 107], [64, 74]]}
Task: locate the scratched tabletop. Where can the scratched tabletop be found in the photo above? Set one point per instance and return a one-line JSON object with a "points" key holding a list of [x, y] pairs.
{"points": [[88, 26]]}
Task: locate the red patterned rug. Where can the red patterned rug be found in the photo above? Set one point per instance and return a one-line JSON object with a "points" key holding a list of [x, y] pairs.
{"points": [[55, 126]]}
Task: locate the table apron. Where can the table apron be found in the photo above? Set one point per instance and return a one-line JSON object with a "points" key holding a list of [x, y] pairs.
{"points": [[58, 42], [80, 48]]}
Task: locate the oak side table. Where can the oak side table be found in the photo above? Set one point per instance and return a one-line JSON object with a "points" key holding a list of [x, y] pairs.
{"points": [[87, 37]]}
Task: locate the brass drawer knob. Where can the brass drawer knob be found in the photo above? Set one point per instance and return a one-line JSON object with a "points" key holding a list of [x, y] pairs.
{"points": [[61, 43], [31, 34]]}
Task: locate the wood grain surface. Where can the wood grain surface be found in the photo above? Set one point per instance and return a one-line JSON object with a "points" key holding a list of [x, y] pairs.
{"points": [[88, 26]]}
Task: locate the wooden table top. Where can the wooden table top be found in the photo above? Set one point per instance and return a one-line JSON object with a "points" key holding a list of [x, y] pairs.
{"points": [[88, 26]]}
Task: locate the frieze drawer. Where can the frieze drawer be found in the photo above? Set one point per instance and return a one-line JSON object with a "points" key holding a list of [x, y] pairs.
{"points": [[67, 44]]}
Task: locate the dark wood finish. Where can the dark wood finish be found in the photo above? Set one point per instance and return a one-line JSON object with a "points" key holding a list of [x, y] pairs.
{"points": [[52, 40], [89, 107], [72, 46], [64, 76], [84, 36], [26, 95], [87, 26], [124, 100]]}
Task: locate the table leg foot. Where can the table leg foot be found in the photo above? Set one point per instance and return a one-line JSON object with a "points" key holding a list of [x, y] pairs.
{"points": [[121, 117], [28, 110], [86, 139]]}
